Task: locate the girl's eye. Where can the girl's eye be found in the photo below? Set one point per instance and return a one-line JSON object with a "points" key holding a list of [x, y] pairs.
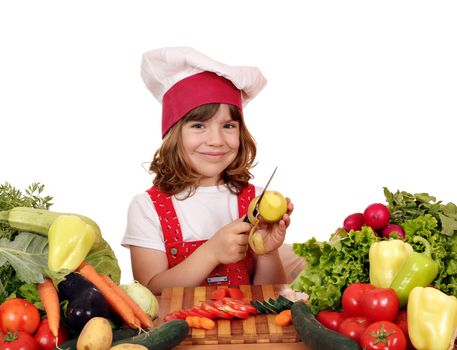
{"points": [[197, 126], [230, 125]]}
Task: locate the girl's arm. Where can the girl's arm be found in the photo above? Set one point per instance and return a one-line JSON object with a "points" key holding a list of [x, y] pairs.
{"points": [[269, 269], [150, 266]]}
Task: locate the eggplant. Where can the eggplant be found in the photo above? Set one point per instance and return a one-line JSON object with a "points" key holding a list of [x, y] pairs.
{"points": [[90, 303], [72, 286], [86, 301]]}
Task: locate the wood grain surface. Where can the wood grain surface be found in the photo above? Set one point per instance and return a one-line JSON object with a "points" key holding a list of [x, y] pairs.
{"points": [[256, 329]]}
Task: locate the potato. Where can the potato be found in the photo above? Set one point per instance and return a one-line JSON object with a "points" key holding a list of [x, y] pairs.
{"points": [[128, 347], [96, 335]]}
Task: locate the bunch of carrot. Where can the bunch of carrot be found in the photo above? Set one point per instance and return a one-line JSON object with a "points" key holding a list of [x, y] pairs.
{"points": [[117, 298]]}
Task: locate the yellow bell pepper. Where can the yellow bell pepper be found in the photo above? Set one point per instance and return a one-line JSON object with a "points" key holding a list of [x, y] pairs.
{"points": [[432, 319], [70, 240], [386, 259]]}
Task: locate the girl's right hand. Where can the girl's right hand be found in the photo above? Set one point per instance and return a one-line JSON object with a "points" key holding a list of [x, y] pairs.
{"points": [[230, 243]]}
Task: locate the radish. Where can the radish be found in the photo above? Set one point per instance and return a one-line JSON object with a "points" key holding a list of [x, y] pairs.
{"points": [[376, 216], [391, 228], [353, 222]]}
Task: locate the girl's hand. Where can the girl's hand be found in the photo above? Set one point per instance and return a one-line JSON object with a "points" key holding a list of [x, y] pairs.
{"points": [[230, 243], [273, 234]]}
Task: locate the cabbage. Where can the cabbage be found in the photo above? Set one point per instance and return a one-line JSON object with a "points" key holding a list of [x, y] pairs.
{"points": [[105, 262], [143, 297]]}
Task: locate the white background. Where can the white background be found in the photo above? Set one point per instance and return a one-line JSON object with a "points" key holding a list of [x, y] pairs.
{"points": [[361, 95]]}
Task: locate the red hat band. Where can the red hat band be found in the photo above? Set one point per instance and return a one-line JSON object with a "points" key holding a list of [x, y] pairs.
{"points": [[194, 91]]}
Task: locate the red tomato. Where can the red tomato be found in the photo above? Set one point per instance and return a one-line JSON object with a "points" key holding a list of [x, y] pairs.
{"points": [[351, 298], [18, 341], [229, 310], [202, 312], [217, 313], [353, 222], [353, 327], [235, 293], [376, 216], [19, 315], [331, 319], [46, 340], [402, 322], [219, 293], [240, 305], [380, 304], [383, 335]]}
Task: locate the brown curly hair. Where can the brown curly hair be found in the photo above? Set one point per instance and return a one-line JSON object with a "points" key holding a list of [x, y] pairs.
{"points": [[174, 173]]}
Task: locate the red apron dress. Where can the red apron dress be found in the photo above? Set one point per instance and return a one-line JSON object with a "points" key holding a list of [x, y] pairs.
{"points": [[235, 274]]}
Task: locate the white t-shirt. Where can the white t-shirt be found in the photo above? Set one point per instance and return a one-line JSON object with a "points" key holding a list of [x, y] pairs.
{"points": [[200, 216]]}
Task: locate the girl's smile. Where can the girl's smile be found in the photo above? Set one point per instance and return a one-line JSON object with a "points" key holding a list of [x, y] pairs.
{"points": [[211, 145]]}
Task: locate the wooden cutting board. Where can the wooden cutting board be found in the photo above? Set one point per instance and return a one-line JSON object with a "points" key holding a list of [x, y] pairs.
{"points": [[256, 329]]}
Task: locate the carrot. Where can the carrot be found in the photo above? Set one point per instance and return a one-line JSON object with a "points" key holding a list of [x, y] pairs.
{"points": [[114, 300], [142, 316], [50, 300], [200, 322], [284, 318]]}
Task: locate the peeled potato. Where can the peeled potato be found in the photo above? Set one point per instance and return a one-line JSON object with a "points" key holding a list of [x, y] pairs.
{"points": [[272, 207], [128, 347], [97, 334]]}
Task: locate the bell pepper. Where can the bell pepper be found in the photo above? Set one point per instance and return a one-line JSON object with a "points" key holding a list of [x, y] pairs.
{"points": [[386, 259], [70, 240], [432, 319], [419, 270]]}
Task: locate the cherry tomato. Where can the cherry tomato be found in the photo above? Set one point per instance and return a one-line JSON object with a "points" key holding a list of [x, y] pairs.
{"points": [[18, 341], [353, 327], [331, 319], [383, 335], [351, 298], [402, 322], [19, 315], [380, 304], [46, 340]]}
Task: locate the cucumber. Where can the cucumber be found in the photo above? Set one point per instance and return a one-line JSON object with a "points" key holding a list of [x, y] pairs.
{"points": [[259, 306], [164, 337], [314, 335], [40, 220], [286, 303]]}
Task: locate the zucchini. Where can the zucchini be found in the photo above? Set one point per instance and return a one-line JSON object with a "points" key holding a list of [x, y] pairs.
{"points": [[314, 335], [164, 337], [40, 220]]}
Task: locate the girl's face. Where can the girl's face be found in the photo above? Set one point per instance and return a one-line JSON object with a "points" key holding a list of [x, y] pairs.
{"points": [[211, 145]]}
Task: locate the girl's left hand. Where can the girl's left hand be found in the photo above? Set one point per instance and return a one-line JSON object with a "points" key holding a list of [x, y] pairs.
{"points": [[273, 234]]}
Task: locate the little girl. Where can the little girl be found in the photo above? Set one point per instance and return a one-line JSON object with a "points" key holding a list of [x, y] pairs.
{"points": [[188, 229]]}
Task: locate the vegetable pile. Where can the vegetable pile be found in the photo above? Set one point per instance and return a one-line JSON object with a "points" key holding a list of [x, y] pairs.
{"points": [[333, 265]]}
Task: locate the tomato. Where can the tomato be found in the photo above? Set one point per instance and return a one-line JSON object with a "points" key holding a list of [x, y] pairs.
{"points": [[18, 341], [351, 298], [353, 327], [229, 310], [240, 305], [383, 335], [376, 216], [202, 313], [235, 293], [219, 293], [402, 322], [330, 319], [46, 340], [353, 222], [19, 315], [380, 304], [217, 313]]}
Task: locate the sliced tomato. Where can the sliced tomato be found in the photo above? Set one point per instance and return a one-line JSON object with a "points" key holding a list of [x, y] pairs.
{"points": [[170, 317], [180, 314], [190, 312], [230, 310], [235, 293], [217, 313], [240, 305], [219, 294], [202, 312]]}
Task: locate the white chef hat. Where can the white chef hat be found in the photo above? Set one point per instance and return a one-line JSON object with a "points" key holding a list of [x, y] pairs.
{"points": [[182, 79]]}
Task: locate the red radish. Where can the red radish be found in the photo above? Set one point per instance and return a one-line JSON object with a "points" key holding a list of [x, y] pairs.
{"points": [[353, 222], [389, 229], [376, 216]]}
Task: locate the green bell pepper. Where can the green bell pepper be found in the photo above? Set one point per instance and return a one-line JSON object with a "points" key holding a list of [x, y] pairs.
{"points": [[418, 270]]}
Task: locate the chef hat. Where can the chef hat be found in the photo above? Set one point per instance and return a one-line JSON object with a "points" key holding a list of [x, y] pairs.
{"points": [[182, 78]]}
